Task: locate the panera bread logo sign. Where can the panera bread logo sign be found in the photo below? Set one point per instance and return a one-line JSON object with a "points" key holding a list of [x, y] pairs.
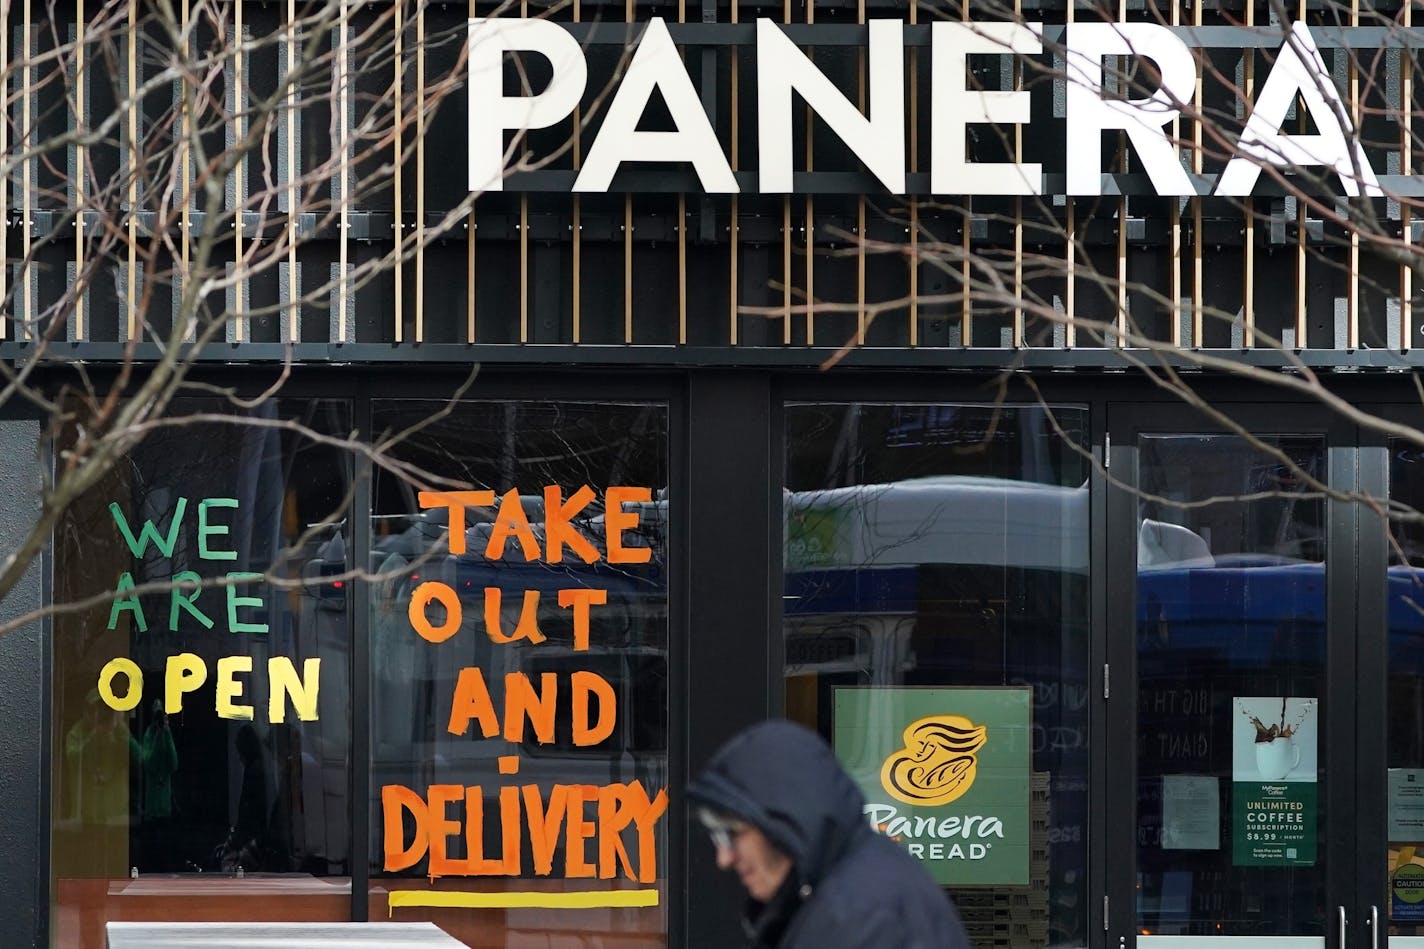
{"points": [[945, 773], [937, 764]]}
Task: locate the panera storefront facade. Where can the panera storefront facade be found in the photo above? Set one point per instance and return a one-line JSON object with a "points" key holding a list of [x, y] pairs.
{"points": [[1022, 398]]}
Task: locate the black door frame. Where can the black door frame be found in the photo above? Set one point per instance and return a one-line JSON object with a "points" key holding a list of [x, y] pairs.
{"points": [[1127, 421], [1004, 389], [389, 384], [1372, 674], [360, 390]]}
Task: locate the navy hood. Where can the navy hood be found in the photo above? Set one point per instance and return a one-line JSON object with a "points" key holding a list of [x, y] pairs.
{"points": [[784, 780]]}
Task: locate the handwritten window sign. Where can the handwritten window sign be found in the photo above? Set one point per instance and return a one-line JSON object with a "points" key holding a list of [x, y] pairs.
{"points": [[569, 830], [230, 607]]}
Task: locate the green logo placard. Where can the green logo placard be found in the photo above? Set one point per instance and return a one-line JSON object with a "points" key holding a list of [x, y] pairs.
{"points": [[945, 771], [1274, 824]]}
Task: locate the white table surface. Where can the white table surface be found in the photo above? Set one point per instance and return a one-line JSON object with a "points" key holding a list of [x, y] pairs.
{"points": [[127, 935]]}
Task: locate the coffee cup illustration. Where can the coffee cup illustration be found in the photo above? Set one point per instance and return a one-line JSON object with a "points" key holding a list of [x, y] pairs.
{"points": [[1276, 758]]}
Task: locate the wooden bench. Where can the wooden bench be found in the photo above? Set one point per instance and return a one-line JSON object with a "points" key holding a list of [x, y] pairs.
{"points": [[128, 935]]}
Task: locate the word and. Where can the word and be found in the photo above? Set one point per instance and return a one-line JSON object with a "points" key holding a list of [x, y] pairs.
{"points": [[785, 73], [524, 702]]}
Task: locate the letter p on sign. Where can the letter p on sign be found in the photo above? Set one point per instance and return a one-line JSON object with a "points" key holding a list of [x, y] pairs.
{"points": [[492, 113]]}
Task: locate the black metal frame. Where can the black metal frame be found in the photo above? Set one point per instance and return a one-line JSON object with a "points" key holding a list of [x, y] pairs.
{"points": [[1372, 677], [1338, 751], [257, 357], [1006, 389], [725, 646], [371, 388], [730, 600], [360, 790], [25, 679]]}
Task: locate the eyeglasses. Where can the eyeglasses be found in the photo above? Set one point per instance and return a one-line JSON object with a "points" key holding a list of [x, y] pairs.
{"points": [[720, 829]]}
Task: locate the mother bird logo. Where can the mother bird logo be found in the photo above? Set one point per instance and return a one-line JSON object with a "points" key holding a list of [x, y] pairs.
{"points": [[937, 764]]}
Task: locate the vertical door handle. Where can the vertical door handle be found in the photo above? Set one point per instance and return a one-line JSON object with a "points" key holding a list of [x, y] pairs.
{"points": [[1374, 927], [1341, 943]]}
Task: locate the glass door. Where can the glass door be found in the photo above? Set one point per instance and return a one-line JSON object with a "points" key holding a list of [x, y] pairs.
{"points": [[1229, 683], [936, 570], [1391, 695]]}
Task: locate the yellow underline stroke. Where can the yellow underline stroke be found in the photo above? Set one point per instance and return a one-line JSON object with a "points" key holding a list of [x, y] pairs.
{"points": [[583, 899]]}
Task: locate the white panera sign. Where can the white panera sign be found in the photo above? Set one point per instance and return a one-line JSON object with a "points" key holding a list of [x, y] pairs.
{"points": [[878, 139]]}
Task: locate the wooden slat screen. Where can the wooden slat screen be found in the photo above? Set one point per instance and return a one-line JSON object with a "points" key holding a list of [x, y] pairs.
{"points": [[376, 173]]}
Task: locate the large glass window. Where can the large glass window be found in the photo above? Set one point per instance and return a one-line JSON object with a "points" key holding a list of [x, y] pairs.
{"points": [[1404, 723], [1231, 765], [201, 682], [936, 631], [519, 671]]}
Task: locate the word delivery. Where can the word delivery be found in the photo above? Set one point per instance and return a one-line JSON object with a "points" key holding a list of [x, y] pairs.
{"points": [[878, 136]]}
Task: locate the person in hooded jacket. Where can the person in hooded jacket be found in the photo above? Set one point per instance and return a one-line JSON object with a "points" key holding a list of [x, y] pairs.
{"points": [[790, 821]]}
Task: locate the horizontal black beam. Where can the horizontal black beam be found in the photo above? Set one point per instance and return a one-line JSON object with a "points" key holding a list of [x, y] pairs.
{"points": [[1147, 227], [383, 355], [361, 225]]}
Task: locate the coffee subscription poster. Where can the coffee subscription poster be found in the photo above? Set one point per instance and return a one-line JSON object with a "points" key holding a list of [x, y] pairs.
{"points": [[1275, 807], [945, 772]]}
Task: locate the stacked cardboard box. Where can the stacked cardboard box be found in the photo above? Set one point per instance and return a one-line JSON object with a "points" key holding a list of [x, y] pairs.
{"points": [[1008, 917]]}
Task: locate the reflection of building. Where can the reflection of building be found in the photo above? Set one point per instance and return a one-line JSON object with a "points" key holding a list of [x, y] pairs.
{"points": [[985, 492]]}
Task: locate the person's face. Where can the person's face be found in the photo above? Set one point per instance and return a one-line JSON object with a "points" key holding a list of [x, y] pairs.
{"points": [[760, 866]]}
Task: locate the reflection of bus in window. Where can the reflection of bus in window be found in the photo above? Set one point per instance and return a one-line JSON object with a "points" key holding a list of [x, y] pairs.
{"points": [[939, 581], [868, 566], [1244, 613]]}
